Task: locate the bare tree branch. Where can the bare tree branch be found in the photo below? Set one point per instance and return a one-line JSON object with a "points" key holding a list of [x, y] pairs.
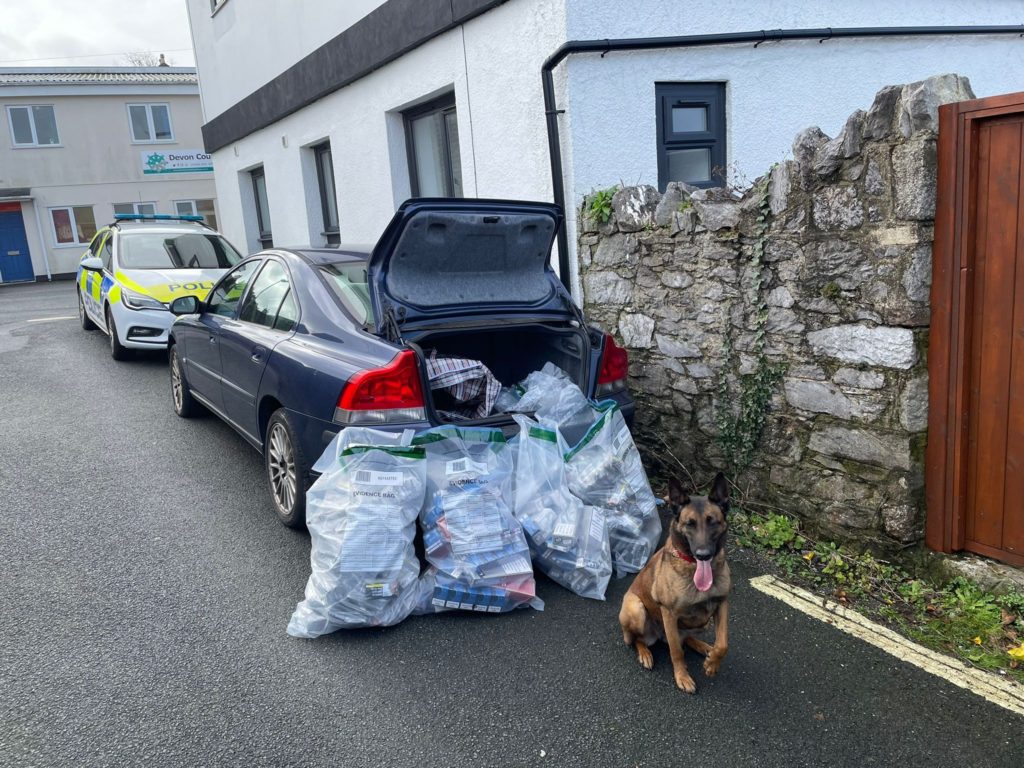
{"points": [[145, 59]]}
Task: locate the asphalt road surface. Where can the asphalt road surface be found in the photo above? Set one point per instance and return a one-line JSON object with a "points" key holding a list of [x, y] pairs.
{"points": [[145, 587]]}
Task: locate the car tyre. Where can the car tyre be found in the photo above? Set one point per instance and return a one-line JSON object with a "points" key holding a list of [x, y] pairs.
{"points": [[287, 469], [117, 350], [83, 318], [185, 405]]}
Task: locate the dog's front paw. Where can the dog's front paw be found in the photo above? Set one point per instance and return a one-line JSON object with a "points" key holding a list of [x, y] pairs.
{"points": [[713, 662], [644, 655], [684, 682]]}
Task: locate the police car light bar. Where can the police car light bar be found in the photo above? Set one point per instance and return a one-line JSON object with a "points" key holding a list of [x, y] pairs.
{"points": [[154, 217]]}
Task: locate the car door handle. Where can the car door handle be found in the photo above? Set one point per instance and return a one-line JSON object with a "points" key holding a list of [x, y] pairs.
{"points": [[213, 339], [257, 354]]}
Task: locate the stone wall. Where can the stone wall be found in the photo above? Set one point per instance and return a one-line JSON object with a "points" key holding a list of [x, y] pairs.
{"points": [[828, 260]]}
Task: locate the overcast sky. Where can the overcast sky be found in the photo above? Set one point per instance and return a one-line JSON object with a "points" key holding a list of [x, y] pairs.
{"points": [[83, 33]]}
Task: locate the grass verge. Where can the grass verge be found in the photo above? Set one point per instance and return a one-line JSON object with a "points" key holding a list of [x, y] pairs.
{"points": [[956, 617]]}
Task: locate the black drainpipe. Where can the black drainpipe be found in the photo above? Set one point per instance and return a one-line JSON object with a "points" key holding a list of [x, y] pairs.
{"points": [[695, 41]]}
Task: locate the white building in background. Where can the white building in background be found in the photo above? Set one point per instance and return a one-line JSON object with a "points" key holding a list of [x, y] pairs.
{"points": [[81, 144], [322, 117]]}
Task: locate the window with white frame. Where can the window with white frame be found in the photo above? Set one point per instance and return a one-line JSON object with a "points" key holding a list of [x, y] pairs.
{"points": [[204, 208], [73, 225], [33, 126], [144, 209], [150, 122]]}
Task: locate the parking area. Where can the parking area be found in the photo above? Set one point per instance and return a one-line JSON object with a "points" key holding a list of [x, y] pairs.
{"points": [[146, 586]]}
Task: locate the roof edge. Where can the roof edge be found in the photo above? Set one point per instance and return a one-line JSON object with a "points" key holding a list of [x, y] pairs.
{"points": [[98, 70], [386, 33]]}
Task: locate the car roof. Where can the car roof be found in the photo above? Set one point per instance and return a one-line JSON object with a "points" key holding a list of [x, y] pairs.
{"points": [[161, 226], [320, 256]]}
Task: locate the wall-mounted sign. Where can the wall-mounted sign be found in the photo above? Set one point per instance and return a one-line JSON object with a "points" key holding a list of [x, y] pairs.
{"points": [[176, 161]]}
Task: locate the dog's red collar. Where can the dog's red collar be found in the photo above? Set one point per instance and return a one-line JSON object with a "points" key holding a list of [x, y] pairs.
{"points": [[681, 556]]}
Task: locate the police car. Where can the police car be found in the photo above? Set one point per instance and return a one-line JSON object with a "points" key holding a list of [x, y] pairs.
{"points": [[137, 266]]}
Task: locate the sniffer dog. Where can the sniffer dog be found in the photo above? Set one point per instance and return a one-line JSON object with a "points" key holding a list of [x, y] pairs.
{"points": [[684, 585]]}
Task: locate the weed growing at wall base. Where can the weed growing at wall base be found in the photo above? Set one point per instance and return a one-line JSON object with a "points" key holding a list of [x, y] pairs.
{"points": [[959, 618]]}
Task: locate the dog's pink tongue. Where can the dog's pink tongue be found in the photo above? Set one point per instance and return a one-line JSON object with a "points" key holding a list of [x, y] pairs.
{"points": [[702, 577]]}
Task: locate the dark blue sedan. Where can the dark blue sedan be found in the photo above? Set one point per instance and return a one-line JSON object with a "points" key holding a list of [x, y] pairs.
{"points": [[293, 345]]}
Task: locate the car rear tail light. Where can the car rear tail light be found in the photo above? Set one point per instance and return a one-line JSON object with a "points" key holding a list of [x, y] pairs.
{"points": [[614, 367], [391, 394]]}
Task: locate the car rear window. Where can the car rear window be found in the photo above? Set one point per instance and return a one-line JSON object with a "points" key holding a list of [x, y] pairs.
{"points": [[151, 250], [348, 282]]}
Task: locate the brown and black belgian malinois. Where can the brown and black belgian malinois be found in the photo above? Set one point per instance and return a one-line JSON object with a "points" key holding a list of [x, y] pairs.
{"points": [[684, 585]]}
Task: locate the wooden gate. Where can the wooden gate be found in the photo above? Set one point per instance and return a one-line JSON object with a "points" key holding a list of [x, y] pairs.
{"points": [[975, 459]]}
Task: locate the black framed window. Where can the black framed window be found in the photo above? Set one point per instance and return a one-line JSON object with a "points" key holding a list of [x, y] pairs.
{"points": [[691, 133], [328, 193], [432, 139], [259, 191]]}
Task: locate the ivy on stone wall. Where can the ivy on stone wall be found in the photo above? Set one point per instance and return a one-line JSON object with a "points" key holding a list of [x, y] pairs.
{"points": [[743, 405], [825, 268]]}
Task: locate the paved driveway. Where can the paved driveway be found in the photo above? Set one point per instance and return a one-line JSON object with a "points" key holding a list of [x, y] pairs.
{"points": [[145, 588]]}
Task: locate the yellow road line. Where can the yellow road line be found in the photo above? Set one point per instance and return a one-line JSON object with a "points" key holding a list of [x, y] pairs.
{"points": [[1006, 693]]}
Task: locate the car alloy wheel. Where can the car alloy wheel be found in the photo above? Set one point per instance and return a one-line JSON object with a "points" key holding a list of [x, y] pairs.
{"points": [[176, 384], [117, 350], [184, 404], [281, 463]]}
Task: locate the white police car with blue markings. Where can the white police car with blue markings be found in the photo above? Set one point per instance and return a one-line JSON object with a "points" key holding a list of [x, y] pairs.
{"points": [[137, 266]]}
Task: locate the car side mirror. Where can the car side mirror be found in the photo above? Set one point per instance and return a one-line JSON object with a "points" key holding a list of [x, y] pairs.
{"points": [[186, 305], [93, 263]]}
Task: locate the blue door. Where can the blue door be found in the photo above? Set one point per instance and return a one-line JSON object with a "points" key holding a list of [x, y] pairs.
{"points": [[202, 348], [247, 341], [15, 261]]}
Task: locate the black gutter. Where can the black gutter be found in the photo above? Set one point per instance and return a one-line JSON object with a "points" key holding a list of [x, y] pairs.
{"points": [[757, 37]]}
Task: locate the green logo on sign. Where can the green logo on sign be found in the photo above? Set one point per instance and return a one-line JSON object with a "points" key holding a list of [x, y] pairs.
{"points": [[156, 162]]}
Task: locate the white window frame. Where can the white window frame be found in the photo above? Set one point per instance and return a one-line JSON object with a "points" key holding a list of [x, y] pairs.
{"points": [[32, 124], [74, 226], [135, 207], [195, 208], [192, 205], [149, 122]]}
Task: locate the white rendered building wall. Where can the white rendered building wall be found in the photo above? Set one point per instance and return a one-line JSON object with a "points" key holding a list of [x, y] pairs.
{"points": [[247, 43], [608, 132], [594, 19], [773, 91], [493, 65]]}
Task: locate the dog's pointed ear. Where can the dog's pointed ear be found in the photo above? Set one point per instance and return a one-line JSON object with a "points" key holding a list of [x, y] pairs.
{"points": [[676, 494], [720, 492]]}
